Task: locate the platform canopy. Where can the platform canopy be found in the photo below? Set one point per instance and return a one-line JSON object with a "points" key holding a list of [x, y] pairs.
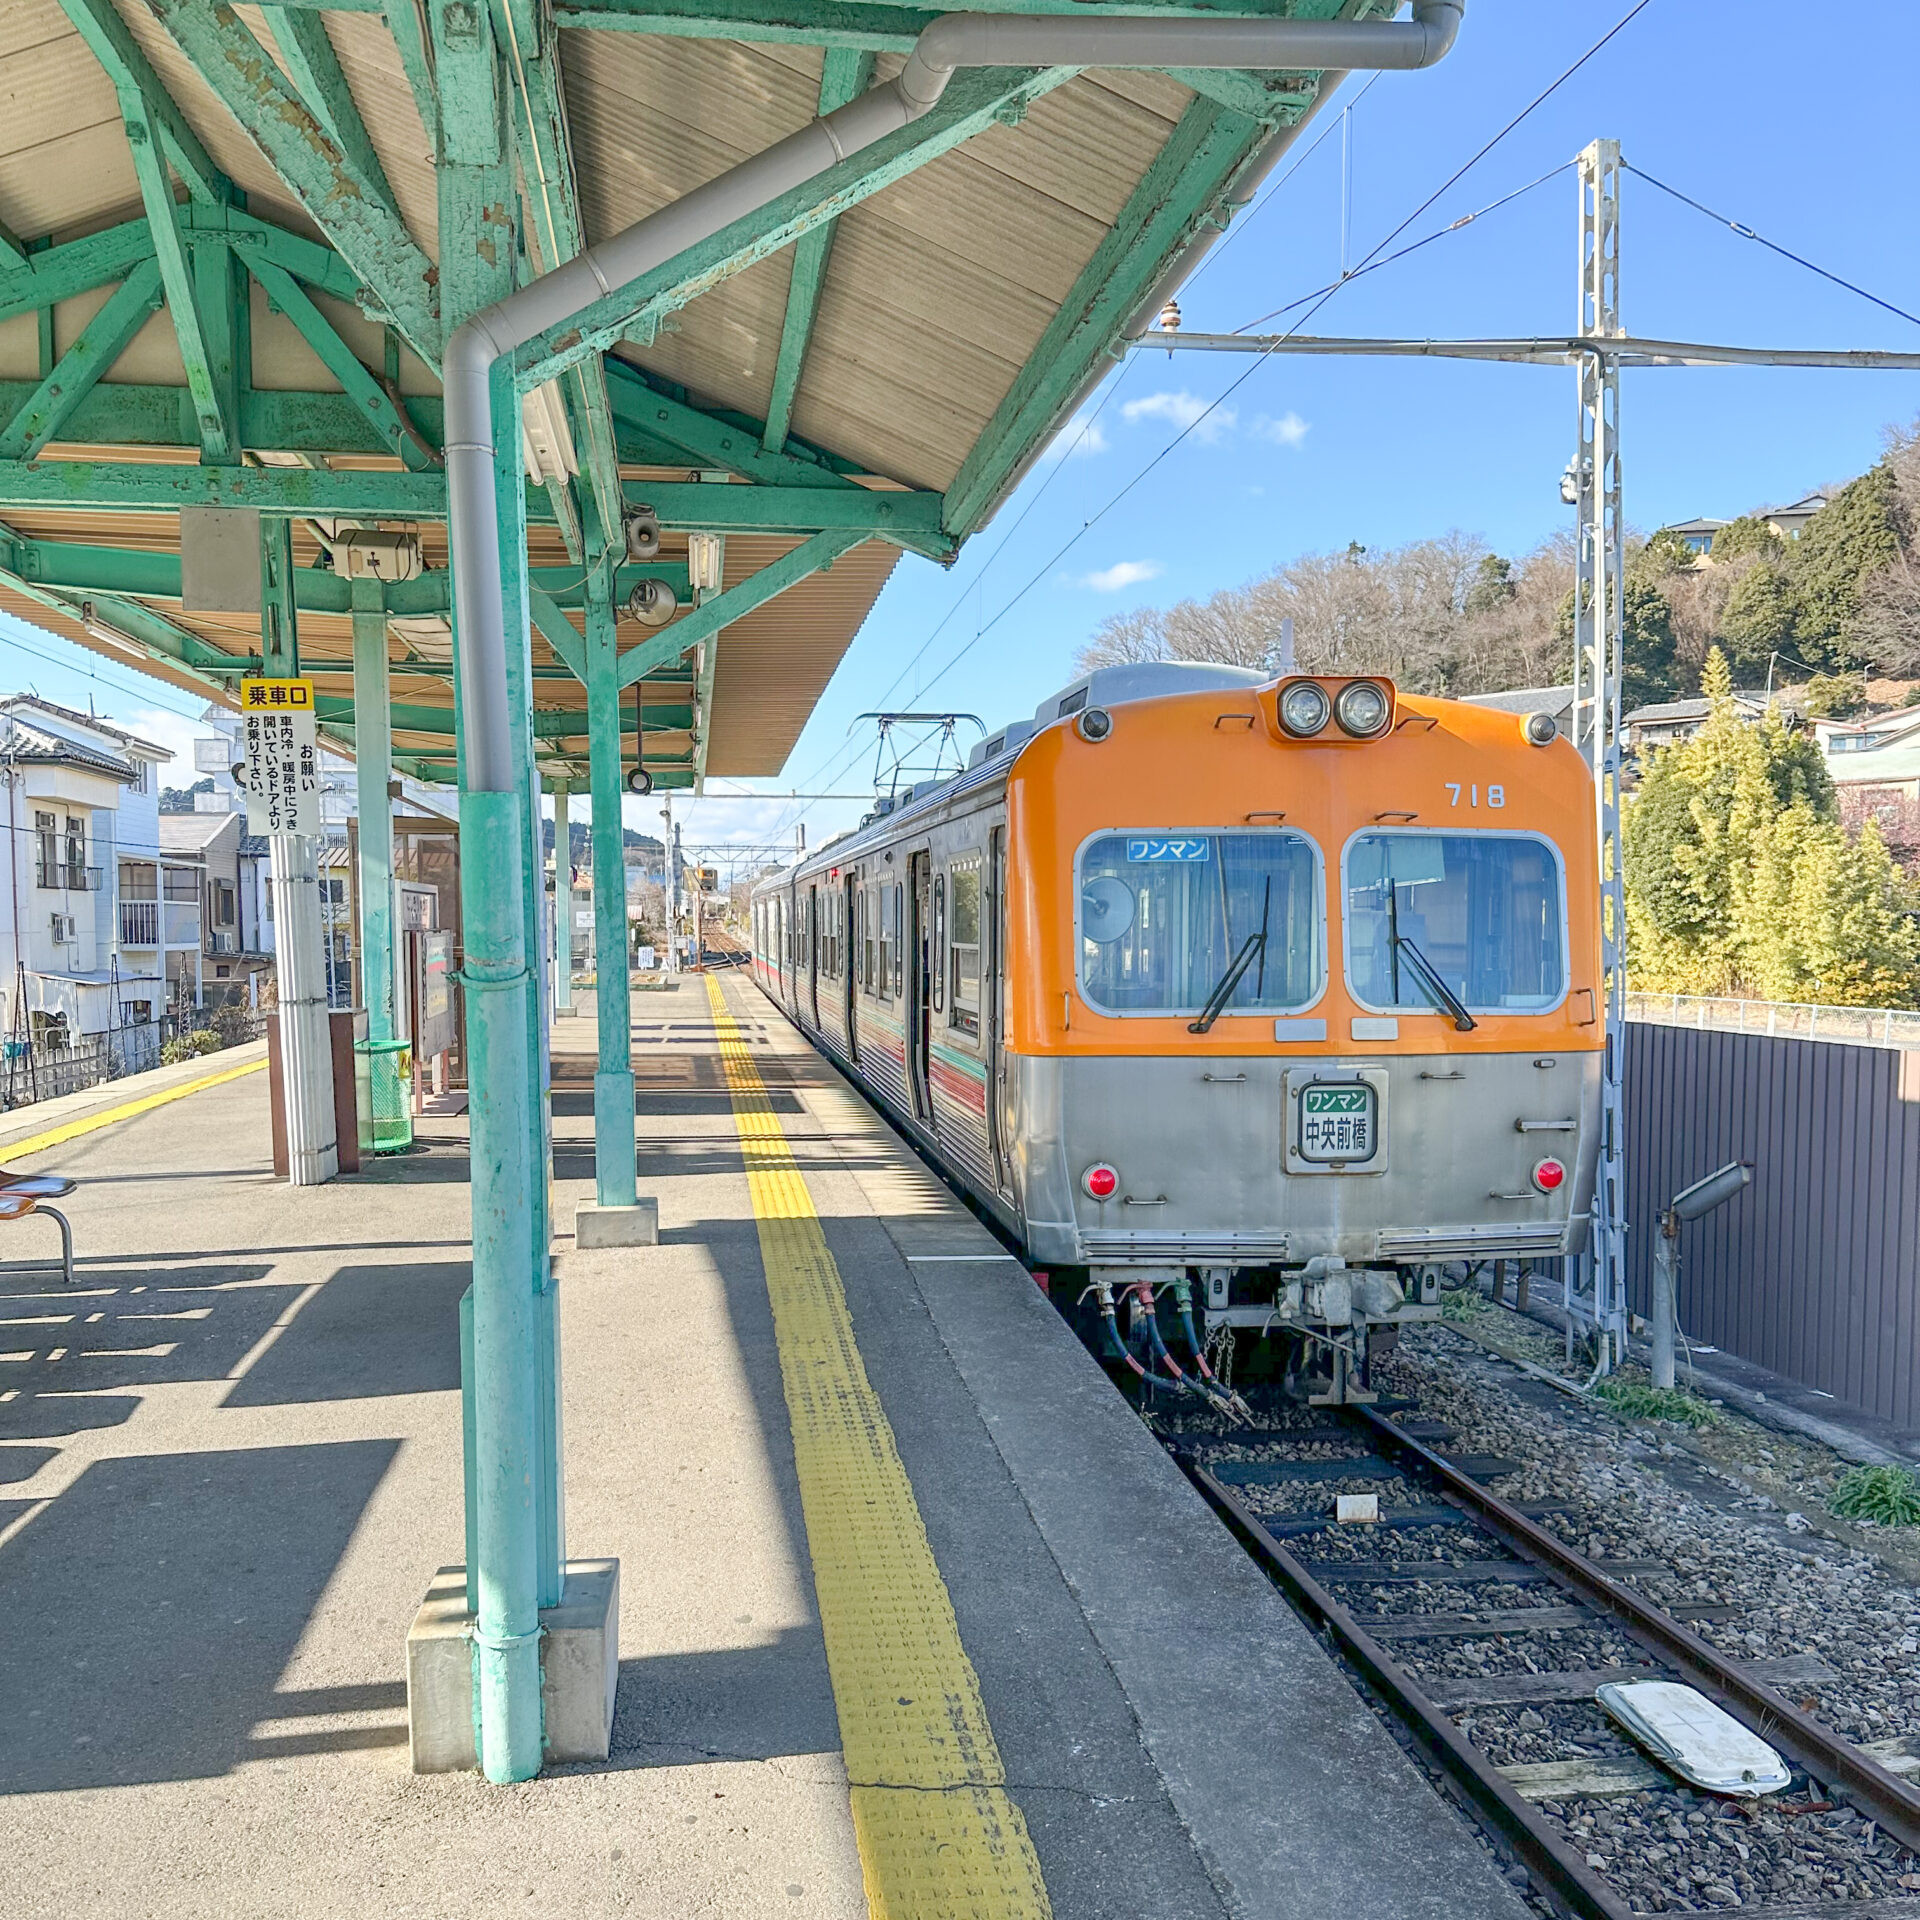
{"points": [[232, 240]]}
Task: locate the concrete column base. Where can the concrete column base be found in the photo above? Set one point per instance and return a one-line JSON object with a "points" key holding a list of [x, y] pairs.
{"points": [[634, 1226], [579, 1666], [566, 1013]]}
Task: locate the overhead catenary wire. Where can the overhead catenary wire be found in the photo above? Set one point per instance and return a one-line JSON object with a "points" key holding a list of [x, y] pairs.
{"points": [[1459, 173], [1746, 232]]}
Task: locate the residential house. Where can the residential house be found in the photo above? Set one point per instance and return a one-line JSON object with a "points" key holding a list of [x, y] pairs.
{"points": [[80, 792], [225, 863], [1668, 721], [1697, 534]]}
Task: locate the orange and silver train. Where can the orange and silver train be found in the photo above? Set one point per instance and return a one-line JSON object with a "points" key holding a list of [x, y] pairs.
{"points": [[1268, 996]]}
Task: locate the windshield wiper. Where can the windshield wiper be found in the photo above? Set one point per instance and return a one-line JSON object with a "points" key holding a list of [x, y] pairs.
{"points": [[1254, 943], [1430, 979]]}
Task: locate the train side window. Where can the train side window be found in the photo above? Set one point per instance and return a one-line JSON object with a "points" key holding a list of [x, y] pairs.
{"points": [[899, 938], [867, 916], [963, 962], [885, 906], [938, 944]]}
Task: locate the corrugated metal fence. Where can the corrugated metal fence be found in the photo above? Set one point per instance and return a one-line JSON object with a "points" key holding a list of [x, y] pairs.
{"points": [[1815, 1270]]}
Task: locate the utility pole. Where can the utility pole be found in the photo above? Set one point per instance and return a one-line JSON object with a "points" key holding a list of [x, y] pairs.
{"points": [[669, 887], [1598, 662]]}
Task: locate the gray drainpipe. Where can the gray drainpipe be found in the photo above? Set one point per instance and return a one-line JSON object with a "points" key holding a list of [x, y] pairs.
{"points": [[502, 1390], [953, 41]]}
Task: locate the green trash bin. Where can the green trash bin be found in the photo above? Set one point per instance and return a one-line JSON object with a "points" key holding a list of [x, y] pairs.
{"points": [[390, 1086]]}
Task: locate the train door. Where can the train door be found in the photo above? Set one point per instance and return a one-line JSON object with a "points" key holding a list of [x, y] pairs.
{"points": [[920, 965], [848, 962], [996, 920], [813, 955]]}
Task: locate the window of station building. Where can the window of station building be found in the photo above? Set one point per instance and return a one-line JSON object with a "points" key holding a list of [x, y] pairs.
{"points": [[963, 951], [1484, 911], [1163, 918]]}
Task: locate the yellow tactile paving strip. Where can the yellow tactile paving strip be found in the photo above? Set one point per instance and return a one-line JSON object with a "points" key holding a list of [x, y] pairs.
{"points": [[939, 1837]]}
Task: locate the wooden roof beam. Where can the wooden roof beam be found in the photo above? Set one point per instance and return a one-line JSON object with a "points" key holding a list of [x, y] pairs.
{"points": [[350, 209], [844, 76], [131, 72], [219, 434]]}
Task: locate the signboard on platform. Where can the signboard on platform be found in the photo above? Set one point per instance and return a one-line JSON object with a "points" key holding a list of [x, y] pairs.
{"points": [[280, 756]]}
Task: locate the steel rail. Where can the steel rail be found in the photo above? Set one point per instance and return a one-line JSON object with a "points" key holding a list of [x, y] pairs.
{"points": [[1823, 1753], [1560, 1870]]}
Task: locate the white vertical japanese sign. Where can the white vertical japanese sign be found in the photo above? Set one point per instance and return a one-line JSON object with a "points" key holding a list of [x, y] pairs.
{"points": [[282, 756]]}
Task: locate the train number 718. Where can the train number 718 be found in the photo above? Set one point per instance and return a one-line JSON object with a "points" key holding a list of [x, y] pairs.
{"points": [[1496, 796]]}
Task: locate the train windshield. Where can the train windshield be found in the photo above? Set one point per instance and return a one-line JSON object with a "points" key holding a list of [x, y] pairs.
{"points": [[1165, 918], [1484, 912]]}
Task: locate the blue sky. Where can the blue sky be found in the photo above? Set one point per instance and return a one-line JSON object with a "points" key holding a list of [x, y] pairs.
{"points": [[1744, 107]]}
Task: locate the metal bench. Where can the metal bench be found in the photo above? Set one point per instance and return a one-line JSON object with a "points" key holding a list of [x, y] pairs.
{"points": [[25, 1193]]}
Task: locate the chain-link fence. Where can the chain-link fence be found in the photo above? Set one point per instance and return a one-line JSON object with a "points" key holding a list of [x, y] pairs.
{"points": [[1783, 1019]]}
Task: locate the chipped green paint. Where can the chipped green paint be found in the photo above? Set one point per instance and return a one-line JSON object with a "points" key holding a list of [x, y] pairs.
{"points": [[97, 346], [76, 267], [315, 69], [346, 206]]}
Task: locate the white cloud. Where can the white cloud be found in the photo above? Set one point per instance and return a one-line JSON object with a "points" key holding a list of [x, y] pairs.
{"points": [[1182, 410], [1284, 430], [1124, 573], [1082, 435]]}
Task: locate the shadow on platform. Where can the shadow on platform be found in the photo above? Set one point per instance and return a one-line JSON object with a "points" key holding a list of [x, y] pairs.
{"points": [[370, 1332], [152, 1607]]}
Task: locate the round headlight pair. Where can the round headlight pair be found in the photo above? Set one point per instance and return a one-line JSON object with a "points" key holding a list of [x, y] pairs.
{"points": [[1361, 708]]}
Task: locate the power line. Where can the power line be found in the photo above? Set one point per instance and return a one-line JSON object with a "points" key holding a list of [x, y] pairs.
{"points": [[97, 673], [1773, 246], [1459, 173]]}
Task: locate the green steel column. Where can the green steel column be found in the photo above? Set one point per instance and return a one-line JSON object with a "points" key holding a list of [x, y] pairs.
{"points": [[563, 896], [510, 1386], [613, 1139], [505, 1395], [373, 768], [510, 493]]}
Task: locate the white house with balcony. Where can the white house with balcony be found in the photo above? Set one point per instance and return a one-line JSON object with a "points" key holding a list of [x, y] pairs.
{"points": [[79, 793]]}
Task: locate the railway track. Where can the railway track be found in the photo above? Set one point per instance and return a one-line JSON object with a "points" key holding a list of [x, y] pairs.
{"points": [[1490, 1571]]}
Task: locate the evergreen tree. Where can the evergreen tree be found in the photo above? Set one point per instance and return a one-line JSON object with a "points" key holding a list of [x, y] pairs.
{"points": [[1762, 616], [1850, 539], [1740, 878]]}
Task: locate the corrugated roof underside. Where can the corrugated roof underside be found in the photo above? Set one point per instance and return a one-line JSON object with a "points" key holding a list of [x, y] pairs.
{"points": [[938, 289]]}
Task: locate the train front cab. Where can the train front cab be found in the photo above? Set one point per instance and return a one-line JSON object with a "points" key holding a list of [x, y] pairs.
{"points": [[1296, 1014]]}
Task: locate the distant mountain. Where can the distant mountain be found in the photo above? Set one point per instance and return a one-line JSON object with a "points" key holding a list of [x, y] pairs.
{"points": [[582, 841]]}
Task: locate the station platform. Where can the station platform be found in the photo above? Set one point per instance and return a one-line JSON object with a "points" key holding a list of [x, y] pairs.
{"points": [[916, 1617]]}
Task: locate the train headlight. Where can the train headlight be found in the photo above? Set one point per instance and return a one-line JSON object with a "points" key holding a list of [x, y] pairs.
{"points": [[1304, 709], [1542, 729], [1363, 709], [1093, 724], [1100, 1181], [1549, 1175]]}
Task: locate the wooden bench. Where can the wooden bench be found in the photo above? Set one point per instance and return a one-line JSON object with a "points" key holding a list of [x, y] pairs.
{"points": [[25, 1193]]}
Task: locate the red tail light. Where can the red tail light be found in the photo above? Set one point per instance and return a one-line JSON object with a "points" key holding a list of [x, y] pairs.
{"points": [[1101, 1181], [1549, 1175]]}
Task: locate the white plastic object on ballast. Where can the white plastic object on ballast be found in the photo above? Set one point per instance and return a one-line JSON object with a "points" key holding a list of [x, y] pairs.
{"points": [[1699, 1741]]}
